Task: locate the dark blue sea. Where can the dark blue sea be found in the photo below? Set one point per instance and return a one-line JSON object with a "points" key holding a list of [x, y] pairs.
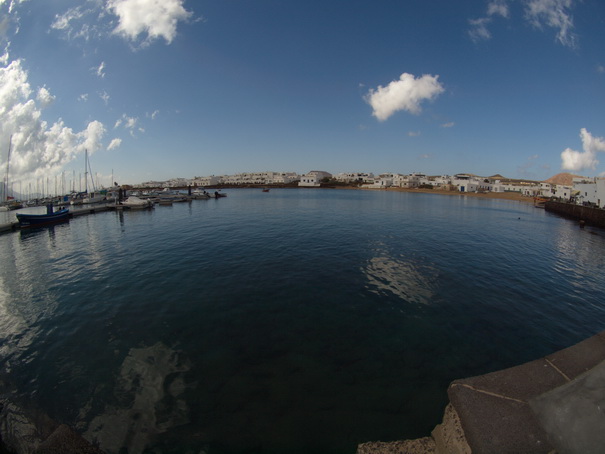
{"points": [[294, 321]]}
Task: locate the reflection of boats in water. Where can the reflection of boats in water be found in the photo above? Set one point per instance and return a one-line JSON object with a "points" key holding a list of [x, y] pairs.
{"points": [[41, 220], [265, 189]]}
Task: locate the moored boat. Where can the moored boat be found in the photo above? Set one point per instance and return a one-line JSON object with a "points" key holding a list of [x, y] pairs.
{"points": [[136, 203], [540, 202], [41, 220]]}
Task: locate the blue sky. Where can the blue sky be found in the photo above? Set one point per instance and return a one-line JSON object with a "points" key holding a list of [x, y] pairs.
{"points": [[156, 89]]}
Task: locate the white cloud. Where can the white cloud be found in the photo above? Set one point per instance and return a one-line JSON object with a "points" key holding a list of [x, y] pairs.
{"points": [[129, 123], [404, 94], [450, 124], [115, 143], [63, 21], [587, 159], [601, 69], [100, 70], [83, 97], [478, 30], [11, 4], [497, 7], [555, 14], [105, 97], [44, 97], [38, 148], [541, 13], [413, 133], [80, 22], [154, 18]]}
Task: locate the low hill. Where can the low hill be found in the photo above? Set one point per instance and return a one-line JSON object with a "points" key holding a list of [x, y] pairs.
{"points": [[565, 179]]}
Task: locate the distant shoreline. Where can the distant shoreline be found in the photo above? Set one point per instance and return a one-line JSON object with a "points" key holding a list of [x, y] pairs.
{"points": [[515, 196]]}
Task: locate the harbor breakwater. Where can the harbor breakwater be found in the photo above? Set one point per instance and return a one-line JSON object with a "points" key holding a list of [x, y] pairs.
{"points": [[592, 216]]}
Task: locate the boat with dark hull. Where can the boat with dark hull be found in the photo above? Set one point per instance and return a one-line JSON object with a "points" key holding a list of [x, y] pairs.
{"points": [[41, 220]]}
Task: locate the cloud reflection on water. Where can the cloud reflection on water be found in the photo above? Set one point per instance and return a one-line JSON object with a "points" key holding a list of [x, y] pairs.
{"points": [[149, 392], [411, 281]]}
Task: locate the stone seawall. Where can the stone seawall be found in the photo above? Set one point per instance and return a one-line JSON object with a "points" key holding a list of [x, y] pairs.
{"points": [[592, 216], [550, 405]]}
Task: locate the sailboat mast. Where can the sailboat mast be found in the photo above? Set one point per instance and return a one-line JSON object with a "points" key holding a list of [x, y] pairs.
{"points": [[86, 170], [8, 160]]}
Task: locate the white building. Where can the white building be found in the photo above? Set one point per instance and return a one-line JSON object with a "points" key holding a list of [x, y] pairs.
{"points": [[590, 191], [465, 182], [382, 181], [441, 181], [410, 181], [563, 192], [205, 181], [355, 177], [547, 189], [313, 178]]}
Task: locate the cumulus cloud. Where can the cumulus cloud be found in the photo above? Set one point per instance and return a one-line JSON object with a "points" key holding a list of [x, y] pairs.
{"points": [[138, 21], [580, 160], [44, 97], [407, 93], [541, 13], [38, 148], [153, 18]]}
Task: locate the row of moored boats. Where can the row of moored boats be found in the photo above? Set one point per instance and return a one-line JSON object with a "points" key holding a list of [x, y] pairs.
{"points": [[123, 200]]}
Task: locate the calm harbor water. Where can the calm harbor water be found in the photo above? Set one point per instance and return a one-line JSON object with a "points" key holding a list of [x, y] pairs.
{"points": [[295, 321]]}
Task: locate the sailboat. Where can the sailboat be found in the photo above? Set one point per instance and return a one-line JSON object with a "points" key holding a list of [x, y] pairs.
{"points": [[92, 197], [8, 203]]}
